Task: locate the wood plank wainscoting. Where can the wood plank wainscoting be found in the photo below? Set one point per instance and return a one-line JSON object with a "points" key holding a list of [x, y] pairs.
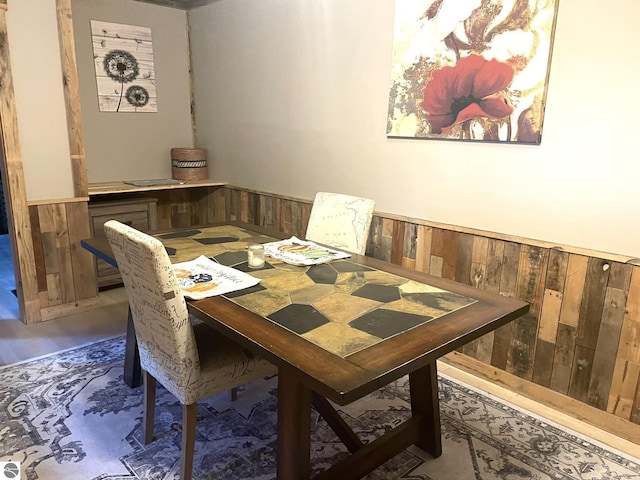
{"points": [[65, 273], [64, 270], [578, 349], [184, 207]]}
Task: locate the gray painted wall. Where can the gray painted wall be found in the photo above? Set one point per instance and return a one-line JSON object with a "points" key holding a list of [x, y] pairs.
{"points": [[37, 79], [132, 146], [292, 96]]}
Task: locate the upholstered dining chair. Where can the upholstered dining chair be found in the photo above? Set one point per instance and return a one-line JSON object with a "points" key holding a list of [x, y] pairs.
{"points": [[190, 359], [340, 221]]}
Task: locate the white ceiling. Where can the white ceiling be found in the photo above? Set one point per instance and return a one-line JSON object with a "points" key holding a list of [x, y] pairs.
{"points": [[181, 4]]}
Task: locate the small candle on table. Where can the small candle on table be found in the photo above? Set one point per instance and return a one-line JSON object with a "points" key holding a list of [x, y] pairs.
{"points": [[255, 256]]}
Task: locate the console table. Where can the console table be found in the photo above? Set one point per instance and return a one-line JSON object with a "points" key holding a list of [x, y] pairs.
{"points": [[118, 201], [107, 188]]}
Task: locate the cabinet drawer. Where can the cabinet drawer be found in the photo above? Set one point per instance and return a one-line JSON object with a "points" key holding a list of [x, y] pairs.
{"points": [[138, 220]]}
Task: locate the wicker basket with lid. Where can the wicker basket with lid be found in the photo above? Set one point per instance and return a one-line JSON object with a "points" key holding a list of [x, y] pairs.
{"points": [[189, 163]]}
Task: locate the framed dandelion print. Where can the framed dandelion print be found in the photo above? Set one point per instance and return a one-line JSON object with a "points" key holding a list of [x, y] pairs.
{"points": [[123, 59], [471, 69]]}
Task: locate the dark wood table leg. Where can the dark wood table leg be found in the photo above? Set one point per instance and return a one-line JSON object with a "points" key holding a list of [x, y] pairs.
{"points": [[132, 371], [425, 405], [422, 429], [336, 423], [294, 428]]}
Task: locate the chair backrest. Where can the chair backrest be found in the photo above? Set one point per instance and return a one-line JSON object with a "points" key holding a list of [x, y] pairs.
{"points": [[340, 221], [165, 337]]}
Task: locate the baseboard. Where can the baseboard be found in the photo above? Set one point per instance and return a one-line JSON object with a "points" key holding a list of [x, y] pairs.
{"points": [[609, 429], [65, 309]]}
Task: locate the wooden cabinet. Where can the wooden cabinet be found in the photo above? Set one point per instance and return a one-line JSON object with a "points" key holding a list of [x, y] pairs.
{"points": [[139, 213]]}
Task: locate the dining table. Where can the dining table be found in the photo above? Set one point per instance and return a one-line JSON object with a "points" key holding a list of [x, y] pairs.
{"points": [[337, 331]]}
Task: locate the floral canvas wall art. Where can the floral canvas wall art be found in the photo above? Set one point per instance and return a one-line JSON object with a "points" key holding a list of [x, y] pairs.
{"points": [[471, 69], [125, 76]]}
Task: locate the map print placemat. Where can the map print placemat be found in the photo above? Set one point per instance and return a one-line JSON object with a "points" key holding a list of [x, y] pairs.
{"points": [[299, 252]]}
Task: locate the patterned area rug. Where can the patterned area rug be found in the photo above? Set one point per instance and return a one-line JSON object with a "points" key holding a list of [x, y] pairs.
{"points": [[69, 416]]}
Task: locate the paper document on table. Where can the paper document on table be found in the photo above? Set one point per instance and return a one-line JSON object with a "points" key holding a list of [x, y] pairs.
{"points": [[300, 252], [202, 277]]}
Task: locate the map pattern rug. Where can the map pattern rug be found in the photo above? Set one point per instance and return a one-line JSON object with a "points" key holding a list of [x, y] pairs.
{"points": [[70, 416]]}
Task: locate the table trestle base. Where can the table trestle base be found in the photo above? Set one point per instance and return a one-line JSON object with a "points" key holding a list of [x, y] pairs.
{"points": [[421, 429]]}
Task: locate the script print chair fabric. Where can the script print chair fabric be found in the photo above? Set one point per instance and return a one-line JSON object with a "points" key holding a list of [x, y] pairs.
{"points": [[340, 221], [191, 360]]}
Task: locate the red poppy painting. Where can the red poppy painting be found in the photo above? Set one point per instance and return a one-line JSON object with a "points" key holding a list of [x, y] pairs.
{"points": [[471, 69]]}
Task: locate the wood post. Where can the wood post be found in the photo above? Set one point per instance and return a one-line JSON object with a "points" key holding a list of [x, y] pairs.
{"points": [[14, 186]]}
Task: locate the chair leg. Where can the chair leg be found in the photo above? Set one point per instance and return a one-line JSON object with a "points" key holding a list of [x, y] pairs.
{"points": [[149, 407], [233, 394], [189, 417]]}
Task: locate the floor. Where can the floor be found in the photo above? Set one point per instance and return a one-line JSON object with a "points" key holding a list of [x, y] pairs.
{"points": [[19, 342]]}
